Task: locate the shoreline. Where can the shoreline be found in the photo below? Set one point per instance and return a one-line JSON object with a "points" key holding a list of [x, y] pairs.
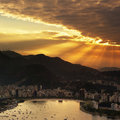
{"points": [[7, 105], [21, 100], [82, 108]]}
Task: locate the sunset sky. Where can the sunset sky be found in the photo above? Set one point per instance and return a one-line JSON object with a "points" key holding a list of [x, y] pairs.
{"points": [[80, 31]]}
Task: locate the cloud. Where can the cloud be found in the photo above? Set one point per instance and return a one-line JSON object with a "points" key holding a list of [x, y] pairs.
{"points": [[64, 37], [27, 36], [95, 18]]}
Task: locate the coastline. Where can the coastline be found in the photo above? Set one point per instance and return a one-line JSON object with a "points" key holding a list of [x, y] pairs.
{"points": [[8, 104], [20, 100], [82, 107], [103, 113]]}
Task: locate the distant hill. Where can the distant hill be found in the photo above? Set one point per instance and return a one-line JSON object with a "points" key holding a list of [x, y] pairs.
{"points": [[112, 75], [42, 69], [109, 69]]}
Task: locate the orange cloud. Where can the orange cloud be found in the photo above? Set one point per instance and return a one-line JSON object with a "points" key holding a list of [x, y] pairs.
{"points": [[93, 18]]}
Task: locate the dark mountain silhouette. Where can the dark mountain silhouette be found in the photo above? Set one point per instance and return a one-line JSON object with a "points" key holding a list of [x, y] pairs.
{"points": [[35, 74], [112, 75], [62, 69], [41, 69], [10, 54], [109, 69]]}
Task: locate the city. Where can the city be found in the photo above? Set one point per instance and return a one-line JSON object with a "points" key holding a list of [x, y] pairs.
{"points": [[100, 100], [59, 59]]}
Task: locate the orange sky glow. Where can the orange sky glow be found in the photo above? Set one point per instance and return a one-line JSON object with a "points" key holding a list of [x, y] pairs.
{"points": [[84, 35]]}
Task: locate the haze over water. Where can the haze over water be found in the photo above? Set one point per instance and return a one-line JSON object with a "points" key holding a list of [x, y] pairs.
{"points": [[48, 110]]}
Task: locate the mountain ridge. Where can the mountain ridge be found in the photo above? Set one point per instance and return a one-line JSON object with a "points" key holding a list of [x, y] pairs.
{"points": [[15, 67], [109, 69]]}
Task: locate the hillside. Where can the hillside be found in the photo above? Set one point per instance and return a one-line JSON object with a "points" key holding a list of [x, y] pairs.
{"points": [[112, 75], [41, 69], [109, 69]]}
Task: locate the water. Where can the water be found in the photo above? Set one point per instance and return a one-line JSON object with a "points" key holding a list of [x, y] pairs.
{"points": [[45, 109]]}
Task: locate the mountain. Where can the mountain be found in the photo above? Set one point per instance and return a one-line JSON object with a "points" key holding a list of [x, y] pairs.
{"points": [[35, 74], [63, 69], [42, 69], [109, 69], [9, 53], [112, 75]]}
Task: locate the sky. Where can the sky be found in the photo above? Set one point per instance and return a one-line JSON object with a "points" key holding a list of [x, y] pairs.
{"points": [[85, 32]]}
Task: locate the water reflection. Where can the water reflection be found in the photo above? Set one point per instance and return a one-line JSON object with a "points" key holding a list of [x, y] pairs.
{"points": [[49, 110]]}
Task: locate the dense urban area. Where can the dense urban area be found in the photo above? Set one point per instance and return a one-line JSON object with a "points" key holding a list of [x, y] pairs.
{"points": [[102, 98]]}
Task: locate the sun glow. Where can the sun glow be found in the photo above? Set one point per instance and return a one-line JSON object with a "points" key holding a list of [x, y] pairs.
{"points": [[72, 34], [35, 27]]}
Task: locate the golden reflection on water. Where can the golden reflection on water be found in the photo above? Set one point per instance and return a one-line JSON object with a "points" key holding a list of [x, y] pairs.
{"points": [[48, 110]]}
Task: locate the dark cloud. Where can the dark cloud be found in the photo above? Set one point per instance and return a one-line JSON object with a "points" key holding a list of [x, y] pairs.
{"points": [[96, 18]]}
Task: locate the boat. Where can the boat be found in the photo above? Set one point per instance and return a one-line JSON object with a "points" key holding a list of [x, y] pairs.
{"points": [[60, 100]]}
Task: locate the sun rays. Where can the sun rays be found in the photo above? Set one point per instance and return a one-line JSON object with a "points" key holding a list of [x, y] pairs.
{"points": [[71, 33], [95, 56]]}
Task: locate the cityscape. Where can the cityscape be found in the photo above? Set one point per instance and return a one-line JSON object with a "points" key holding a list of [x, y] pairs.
{"points": [[101, 100], [59, 59]]}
